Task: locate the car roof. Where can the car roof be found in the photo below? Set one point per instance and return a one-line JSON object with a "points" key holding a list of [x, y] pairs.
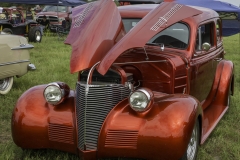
{"points": [[140, 10]]}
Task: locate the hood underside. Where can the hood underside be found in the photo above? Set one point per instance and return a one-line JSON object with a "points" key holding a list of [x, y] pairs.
{"points": [[97, 32], [95, 29]]}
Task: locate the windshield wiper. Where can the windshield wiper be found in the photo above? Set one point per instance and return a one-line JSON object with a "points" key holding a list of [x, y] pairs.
{"points": [[161, 45]]}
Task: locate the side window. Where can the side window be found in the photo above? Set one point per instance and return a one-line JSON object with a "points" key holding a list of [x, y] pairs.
{"points": [[205, 35], [218, 31]]}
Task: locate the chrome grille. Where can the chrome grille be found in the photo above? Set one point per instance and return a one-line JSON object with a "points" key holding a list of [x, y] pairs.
{"points": [[92, 109], [50, 18]]}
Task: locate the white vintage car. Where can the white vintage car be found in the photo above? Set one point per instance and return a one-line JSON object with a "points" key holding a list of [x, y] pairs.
{"points": [[14, 59]]}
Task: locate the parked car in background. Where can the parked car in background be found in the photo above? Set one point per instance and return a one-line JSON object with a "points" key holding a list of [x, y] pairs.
{"points": [[12, 21], [153, 84], [55, 14], [14, 59]]}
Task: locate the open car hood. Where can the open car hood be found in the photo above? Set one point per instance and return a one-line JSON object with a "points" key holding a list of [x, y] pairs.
{"points": [[97, 32], [158, 19], [95, 29]]}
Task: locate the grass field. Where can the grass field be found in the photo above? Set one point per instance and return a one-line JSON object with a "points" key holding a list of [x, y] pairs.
{"points": [[51, 58]]}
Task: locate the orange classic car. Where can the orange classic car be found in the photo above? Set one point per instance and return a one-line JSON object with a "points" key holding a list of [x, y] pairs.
{"points": [[153, 84]]}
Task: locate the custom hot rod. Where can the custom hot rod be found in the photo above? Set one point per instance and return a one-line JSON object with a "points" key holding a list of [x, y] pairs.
{"points": [[153, 84], [12, 21]]}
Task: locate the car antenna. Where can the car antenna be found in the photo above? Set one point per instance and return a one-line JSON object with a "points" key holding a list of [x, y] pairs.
{"points": [[146, 54]]}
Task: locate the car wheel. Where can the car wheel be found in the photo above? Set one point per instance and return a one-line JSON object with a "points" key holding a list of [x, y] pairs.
{"points": [[192, 148], [35, 35], [6, 85], [7, 30], [229, 96]]}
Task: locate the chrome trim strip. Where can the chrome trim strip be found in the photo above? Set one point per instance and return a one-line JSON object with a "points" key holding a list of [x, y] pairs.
{"points": [[166, 17], [23, 46], [9, 63], [145, 92], [141, 62], [91, 70]]}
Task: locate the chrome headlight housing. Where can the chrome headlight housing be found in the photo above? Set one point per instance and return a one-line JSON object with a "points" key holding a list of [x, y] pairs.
{"points": [[140, 100], [55, 92]]}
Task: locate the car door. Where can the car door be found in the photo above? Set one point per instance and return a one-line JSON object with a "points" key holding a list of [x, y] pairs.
{"points": [[204, 61]]}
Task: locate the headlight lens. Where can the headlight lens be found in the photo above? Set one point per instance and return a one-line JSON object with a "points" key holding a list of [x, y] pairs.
{"points": [[139, 100], [53, 93]]}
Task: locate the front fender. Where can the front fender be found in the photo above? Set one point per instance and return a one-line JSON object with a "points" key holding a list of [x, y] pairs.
{"points": [[37, 124], [163, 130]]}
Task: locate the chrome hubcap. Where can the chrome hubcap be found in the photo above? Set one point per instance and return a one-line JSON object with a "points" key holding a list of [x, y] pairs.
{"points": [[38, 35], [192, 145], [4, 83]]}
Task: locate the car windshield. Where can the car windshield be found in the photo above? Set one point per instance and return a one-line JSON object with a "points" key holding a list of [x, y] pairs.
{"points": [[175, 36], [54, 9], [130, 23]]}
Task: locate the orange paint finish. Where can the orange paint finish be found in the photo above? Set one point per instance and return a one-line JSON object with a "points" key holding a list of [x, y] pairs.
{"points": [[135, 38], [216, 109], [154, 134], [182, 85], [161, 77], [93, 49], [87, 154], [37, 124]]}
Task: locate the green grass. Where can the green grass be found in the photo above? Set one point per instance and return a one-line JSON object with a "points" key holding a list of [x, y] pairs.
{"points": [[51, 58]]}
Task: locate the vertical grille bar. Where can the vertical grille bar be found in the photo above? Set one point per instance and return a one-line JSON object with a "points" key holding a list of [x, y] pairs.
{"points": [[92, 109]]}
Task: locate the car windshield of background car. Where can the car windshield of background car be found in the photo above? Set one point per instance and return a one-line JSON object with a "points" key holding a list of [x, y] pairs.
{"points": [[54, 9], [130, 23], [175, 36]]}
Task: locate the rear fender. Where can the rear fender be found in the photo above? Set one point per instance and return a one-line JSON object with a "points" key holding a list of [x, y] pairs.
{"points": [[163, 130], [37, 124], [220, 88], [216, 103], [225, 86]]}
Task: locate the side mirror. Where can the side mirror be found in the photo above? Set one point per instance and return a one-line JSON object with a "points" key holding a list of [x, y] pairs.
{"points": [[206, 46]]}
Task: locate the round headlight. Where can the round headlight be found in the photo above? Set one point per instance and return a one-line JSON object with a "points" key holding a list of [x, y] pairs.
{"points": [[139, 100], [53, 93]]}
